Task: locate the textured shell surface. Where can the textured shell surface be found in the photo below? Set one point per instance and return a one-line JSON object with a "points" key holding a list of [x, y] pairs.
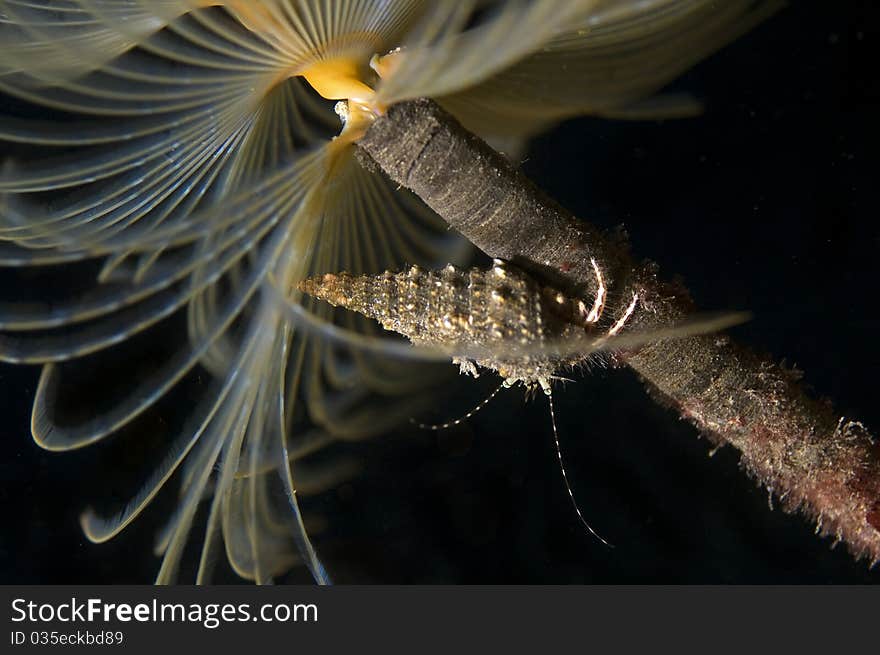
{"points": [[497, 318]]}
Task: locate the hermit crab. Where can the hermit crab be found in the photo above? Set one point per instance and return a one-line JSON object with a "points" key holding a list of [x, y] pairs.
{"points": [[174, 169]]}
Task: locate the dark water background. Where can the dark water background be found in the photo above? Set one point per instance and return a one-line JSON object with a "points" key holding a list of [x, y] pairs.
{"points": [[768, 202]]}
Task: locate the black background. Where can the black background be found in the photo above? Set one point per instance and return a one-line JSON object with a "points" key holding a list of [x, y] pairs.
{"points": [[767, 202]]}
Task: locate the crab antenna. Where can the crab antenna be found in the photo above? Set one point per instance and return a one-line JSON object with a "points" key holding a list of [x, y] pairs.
{"points": [[458, 421], [565, 475]]}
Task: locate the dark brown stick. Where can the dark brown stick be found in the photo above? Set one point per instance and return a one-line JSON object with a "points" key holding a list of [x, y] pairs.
{"points": [[807, 456]]}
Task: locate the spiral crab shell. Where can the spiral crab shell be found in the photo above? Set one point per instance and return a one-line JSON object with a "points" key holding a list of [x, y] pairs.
{"points": [[498, 318]]}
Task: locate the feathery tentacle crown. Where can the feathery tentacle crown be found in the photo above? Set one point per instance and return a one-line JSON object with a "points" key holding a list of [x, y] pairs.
{"points": [[179, 145]]}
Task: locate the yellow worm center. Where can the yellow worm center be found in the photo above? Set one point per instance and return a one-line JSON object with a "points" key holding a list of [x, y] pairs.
{"points": [[335, 77]]}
